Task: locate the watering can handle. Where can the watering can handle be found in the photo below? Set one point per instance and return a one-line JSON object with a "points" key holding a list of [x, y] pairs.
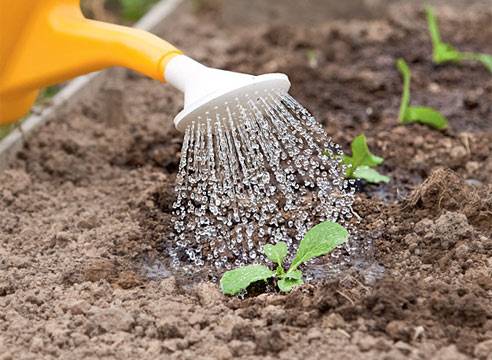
{"points": [[49, 41]]}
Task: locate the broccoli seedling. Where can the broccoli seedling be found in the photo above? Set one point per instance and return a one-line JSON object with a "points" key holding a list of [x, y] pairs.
{"points": [[320, 240], [362, 161], [443, 52], [419, 114]]}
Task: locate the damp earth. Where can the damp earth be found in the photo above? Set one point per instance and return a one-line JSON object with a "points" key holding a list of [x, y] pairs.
{"points": [[86, 207]]}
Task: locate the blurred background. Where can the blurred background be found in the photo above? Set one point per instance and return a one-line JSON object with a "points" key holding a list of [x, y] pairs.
{"points": [[244, 13]]}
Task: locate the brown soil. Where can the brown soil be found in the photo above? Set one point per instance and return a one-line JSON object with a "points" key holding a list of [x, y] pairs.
{"points": [[85, 210]]}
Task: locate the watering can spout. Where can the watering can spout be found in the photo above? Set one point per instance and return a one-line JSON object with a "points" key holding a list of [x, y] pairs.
{"points": [[49, 41]]}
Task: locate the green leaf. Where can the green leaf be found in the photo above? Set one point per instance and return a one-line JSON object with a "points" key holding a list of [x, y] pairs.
{"points": [[312, 56], [319, 240], [427, 116], [441, 52], [287, 284], [420, 114], [433, 27], [361, 155], [486, 60], [370, 175], [405, 97], [294, 274], [233, 281], [276, 253], [5, 130], [132, 10]]}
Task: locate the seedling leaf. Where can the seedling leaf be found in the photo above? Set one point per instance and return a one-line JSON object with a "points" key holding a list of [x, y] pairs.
{"points": [[276, 253], [319, 240], [427, 116], [233, 281], [361, 157], [443, 52], [405, 97], [294, 274], [370, 175], [287, 284], [410, 114], [486, 60], [433, 27]]}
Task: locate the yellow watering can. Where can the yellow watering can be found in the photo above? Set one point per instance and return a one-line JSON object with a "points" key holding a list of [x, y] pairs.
{"points": [[48, 41], [44, 42]]}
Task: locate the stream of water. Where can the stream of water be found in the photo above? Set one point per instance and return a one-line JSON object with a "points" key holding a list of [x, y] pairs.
{"points": [[260, 173]]}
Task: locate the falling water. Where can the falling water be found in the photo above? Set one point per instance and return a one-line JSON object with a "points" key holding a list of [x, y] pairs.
{"points": [[259, 173]]}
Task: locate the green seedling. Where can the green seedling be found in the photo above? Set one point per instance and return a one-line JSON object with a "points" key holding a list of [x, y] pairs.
{"points": [[5, 130], [362, 162], [419, 114], [320, 240], [132, 10], [443, 52], [312, 57]]}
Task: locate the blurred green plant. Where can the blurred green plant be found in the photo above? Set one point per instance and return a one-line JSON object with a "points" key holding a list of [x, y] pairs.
{"points": [[47, 93], [5, 130], [132, 10], [443, 52], [312, 57], [416, 114]]}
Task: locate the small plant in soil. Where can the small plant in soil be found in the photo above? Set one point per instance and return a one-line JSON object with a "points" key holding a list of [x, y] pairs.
{"points": [[416, 114], [362, 162], [318, 241], [313, 58], [443, 52]]}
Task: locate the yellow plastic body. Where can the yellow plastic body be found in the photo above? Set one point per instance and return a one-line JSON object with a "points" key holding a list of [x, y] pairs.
{"points": [[43, 42]]}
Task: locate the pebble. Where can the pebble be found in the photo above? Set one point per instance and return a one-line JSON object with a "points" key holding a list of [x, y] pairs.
{"points": [[366, 343], [472, 166], [404, 347], [112, 319], [314, 334], [333, 321], [397, 330], [449, 353], [208, 294], [483, 350], [79, 307], [462, 251], [242, 348], [37, 344], [458, 152]]}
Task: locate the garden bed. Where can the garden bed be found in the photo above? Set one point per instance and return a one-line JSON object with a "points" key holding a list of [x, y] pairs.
{"points": [[85, 208]]}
